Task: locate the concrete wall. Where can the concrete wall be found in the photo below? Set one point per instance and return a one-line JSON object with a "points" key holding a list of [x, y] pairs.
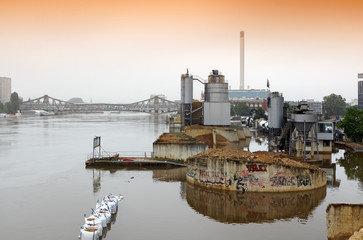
{"points": [[177, 151], [343, 220], [252, 176]]}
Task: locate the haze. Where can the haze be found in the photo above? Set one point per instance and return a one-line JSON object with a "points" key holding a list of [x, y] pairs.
{"points": [[121, 51]]}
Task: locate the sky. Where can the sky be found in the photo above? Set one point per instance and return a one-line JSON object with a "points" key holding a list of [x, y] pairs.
{"points": [[122, 51]]}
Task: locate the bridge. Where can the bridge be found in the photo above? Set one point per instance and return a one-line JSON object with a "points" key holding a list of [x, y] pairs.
{"points": [[155, 104]]}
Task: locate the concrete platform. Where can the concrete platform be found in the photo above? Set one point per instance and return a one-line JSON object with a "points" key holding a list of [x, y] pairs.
{"points": [[238, 170]]}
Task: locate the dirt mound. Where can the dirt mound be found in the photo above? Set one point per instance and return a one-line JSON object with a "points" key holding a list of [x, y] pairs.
{"points": [[208, 139], [179, 138], [262, 157]]}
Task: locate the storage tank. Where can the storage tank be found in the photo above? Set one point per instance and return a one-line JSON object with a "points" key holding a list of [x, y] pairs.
{"points": [[275, 103], [186, 89], [216, 106]]}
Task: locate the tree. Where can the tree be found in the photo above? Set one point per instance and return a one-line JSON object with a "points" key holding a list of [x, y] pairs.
{"points": [[260, 113], [353, 124], [334, 105], [1, 107], [76, 100], [14, 105], [240, 109]]}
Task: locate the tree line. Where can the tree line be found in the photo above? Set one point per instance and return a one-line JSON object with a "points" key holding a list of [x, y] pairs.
{"points": [[12, 106]]}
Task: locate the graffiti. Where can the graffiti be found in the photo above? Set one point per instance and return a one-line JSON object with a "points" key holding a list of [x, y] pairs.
{"points": [[281, 180], [191, 172], [241, 185], [212, 177], [303, 180], [250, 178], [256, 168]]}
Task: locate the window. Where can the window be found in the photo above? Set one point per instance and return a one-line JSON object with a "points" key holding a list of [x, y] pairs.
{"points": [[326, 143], [325, 127]]}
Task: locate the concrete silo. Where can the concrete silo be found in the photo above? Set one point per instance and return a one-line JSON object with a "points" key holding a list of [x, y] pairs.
{"points": [[275, 104], [186, 101], [216, 106]]}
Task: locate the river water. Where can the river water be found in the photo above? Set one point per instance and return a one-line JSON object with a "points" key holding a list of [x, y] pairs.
{"points": [[45, 187]]}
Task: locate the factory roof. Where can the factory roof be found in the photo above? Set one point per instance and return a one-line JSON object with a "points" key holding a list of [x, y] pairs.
{"points": [[250, 93]]}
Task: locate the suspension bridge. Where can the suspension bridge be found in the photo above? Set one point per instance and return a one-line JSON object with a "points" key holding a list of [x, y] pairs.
{"points": [[154, 104]]}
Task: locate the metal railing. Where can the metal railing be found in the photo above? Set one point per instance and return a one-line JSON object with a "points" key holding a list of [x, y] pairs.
{"points": [[124, 154]]}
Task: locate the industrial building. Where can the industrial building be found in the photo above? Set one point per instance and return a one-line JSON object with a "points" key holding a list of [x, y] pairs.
{"points": [[314, 106], [360, 91], [254, 98], [5, 89], [216, 110]]}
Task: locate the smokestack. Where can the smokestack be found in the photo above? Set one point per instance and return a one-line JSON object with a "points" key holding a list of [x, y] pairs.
{"points": [[242, 61]]}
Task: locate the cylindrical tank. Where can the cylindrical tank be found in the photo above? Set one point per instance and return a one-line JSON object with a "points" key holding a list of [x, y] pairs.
{"points": [[275, 110], [186, 89], [216, 90]]}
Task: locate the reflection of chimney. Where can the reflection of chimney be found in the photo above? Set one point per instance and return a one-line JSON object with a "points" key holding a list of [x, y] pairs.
{"points": [[242, 61]]}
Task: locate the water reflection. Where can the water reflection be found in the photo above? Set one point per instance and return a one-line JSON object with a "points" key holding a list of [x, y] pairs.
{"points": [[170, 175], [353, 165], [237, 207], [177, 174]]}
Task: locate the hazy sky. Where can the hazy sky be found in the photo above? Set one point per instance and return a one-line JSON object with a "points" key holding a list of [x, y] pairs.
{"points": [[125, 50]]}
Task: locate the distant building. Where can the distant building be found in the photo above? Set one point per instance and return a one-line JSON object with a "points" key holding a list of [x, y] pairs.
{"points": [[5, 89], [254, 98], [360, 92], [314, 106]]}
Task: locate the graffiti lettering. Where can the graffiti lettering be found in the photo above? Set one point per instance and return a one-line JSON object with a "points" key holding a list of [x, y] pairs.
{"points": [[212, 177], [303, 180], [191, 172], [256, 168], [281, 180]]}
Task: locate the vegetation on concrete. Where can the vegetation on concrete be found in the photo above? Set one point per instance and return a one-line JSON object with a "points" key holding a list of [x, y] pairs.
{"points": [[76, 100], [11, 107], [240, 109], [334, 105], [353, 124]]}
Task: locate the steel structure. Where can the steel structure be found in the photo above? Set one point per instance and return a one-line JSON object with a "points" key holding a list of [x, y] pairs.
{"points": [[152, 105]]}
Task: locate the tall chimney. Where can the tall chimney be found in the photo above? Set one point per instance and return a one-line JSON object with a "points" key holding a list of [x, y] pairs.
{"points": [[242, 61]]}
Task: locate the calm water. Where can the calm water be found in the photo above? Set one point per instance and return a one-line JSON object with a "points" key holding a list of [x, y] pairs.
{"points": [[45, 188]]}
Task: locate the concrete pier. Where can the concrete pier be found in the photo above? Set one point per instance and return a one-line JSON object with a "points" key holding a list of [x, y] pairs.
{"points": [[238, 170], [343, 220], [177, 146]]}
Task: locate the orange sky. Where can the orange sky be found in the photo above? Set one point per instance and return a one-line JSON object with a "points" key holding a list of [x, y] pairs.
{"points": [[81, 41]]}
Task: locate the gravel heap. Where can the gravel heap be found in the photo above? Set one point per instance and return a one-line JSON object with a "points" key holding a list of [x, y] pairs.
{"points": [[179, 138], [260, 156]]}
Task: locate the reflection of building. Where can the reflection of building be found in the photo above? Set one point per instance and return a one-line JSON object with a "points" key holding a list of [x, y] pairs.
{"points": [[5, 89], [238, 207]]}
